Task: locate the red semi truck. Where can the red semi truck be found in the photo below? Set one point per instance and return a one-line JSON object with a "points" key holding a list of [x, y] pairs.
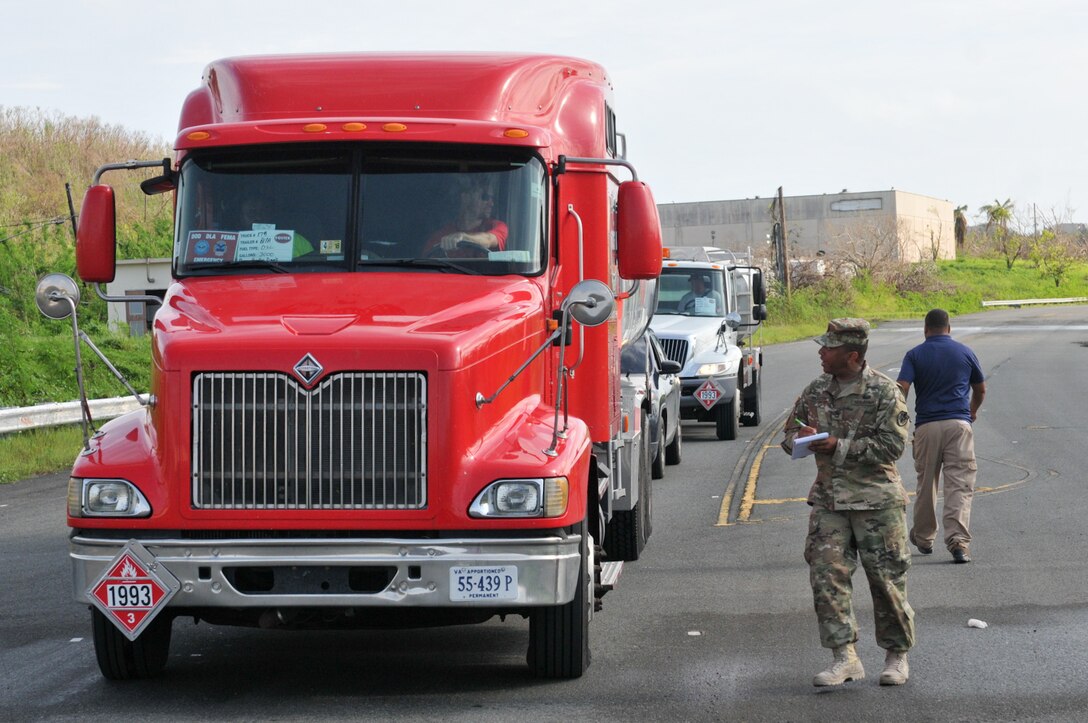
{"points": [[385, 385]]}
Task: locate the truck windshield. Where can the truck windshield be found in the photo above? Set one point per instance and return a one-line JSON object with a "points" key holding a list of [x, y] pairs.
{"points": [[314, 208], [691, 291]]}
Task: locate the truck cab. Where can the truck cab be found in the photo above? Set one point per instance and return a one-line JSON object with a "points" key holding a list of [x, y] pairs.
{"points": [[385, 375], [708, 310]]}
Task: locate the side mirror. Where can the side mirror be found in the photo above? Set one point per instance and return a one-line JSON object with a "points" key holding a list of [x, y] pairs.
{"points": [[639, 231], [96, 236], [733, 320], [668, 366], [56, 296], [759, 293], [759, 312], [590, 302]]}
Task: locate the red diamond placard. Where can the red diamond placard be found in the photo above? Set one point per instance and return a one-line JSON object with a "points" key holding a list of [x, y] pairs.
{"points": [[133, 589], [708, 393]]}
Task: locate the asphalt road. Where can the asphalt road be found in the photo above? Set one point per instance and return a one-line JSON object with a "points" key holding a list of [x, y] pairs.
{"points": [[714, 623]]}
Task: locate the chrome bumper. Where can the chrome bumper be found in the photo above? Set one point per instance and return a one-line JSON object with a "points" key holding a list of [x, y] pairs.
{"points": [[547, 569]]}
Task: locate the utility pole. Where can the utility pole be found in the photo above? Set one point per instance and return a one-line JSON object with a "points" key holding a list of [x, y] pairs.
{"points": [[782, 261]]}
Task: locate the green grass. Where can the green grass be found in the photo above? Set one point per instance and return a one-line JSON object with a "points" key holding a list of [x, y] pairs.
{"points": [[38, 451]]}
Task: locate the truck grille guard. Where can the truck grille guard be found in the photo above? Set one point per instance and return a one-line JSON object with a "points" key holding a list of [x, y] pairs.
{"points": [[356, 441]]}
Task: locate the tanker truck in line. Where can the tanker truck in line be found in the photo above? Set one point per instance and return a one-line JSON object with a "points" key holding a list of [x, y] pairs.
{"points": [[385, 386], [712, 301]]}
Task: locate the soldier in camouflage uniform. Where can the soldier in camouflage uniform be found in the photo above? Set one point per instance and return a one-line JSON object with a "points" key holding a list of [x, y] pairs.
{"points": [[858, 502]]}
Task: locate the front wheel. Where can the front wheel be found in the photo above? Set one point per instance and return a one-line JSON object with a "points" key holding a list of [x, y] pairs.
{"points": [[674, 452], [727, 418], [122, 659], [657, 469], [559, 636], [753, 397]]}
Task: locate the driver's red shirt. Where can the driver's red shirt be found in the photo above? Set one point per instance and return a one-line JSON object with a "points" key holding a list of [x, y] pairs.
{"points": [[489, 225]]}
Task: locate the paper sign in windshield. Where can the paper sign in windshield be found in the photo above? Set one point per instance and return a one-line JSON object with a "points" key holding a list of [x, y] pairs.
{"points": [[262, 244], [211, 247], [275, 244]]}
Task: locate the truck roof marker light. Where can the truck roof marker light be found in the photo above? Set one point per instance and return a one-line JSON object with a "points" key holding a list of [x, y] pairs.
{"points": [[516, 133], [672, 263], [394, 127], [315, 128], [353, 127], [198, 136]]}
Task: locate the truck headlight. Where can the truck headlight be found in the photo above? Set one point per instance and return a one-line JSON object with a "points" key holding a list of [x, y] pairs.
{"points": [[105, 498], [715, 369], [522, 498]]}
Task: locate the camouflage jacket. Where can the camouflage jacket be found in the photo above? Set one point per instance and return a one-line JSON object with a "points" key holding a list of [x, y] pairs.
{"points": [[869, 417]]}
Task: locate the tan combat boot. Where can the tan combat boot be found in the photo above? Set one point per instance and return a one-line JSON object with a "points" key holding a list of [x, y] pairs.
{"points": [[846, 667], [896, 668]]}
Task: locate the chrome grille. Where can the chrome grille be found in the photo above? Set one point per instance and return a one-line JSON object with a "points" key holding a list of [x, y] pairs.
{"points": [[675, 349], [356, 441]]}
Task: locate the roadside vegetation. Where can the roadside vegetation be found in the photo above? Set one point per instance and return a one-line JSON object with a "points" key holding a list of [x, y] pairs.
{"points": [[40, 153]]}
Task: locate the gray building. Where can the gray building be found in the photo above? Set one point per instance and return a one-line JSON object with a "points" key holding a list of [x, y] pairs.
{"points": [[912, 227]]}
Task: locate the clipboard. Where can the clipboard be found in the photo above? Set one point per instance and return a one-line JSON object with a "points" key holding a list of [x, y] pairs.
{"points": [[801, 446]]}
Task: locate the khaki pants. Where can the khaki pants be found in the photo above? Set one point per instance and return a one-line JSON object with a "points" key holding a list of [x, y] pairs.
{"points": [[946, 446]]}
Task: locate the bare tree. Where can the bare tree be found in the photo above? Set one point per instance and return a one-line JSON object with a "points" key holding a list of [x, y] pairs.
{"points": [[868, 244]]}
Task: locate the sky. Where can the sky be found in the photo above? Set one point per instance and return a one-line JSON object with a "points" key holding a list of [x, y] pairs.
{"points": [[971, 101]]}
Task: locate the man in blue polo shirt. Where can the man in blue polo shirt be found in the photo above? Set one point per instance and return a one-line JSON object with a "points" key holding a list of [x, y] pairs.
{"points": [[949, 389]]}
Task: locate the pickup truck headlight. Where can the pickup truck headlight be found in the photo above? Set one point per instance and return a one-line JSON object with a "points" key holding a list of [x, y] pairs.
{"points": [[522, 498], [715, 369], [105, 498]]}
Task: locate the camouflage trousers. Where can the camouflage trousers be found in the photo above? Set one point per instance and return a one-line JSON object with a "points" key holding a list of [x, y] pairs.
{"points": [[835, 542]]}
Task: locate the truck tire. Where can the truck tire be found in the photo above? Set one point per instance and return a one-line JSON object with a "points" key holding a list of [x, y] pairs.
{"points": [[727, 418], [559, 636], [657, 469], [674, 452], [122, 659], [751, 415], [626, 534]]}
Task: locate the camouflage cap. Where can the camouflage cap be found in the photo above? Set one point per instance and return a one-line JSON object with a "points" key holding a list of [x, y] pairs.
{"points": [[845, 331]]}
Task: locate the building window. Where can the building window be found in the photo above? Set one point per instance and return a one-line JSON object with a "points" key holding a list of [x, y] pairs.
{"points": [[858, 204]]}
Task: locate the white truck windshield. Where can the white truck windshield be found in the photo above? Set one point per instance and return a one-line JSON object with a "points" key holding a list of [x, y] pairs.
{"points": [[691, 291]]}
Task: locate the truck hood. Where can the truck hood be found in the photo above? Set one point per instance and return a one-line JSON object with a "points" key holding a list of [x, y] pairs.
{"points": [[675, 325], [364, 317]]}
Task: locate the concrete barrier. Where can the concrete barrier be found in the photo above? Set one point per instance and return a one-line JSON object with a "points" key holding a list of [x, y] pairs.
{"points": [[16, 419], [1027, 302]]}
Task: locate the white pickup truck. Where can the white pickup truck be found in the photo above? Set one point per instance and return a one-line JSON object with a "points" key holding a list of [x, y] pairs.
{"points": [[709, 305]]}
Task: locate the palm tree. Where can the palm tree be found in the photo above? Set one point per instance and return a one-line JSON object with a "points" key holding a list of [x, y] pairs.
{"points": [[999, 215], [959, 221]]}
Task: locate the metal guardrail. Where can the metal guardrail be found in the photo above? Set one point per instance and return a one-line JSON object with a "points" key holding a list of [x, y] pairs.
{"points": [[1027, 302], [18, 419]]}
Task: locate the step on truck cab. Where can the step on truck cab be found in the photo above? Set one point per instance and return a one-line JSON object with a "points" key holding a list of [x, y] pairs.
{"points": [[711, 303], [385, 386]]}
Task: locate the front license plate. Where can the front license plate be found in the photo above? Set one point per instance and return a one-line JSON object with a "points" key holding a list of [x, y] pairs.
{"points": [[484, 583]]}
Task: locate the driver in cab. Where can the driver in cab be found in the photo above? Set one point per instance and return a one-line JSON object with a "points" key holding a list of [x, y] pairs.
{"points": [[701, 300], [473, 232]]}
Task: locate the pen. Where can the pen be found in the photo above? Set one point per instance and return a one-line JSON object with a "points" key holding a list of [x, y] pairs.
{"points": [[803, 424]]}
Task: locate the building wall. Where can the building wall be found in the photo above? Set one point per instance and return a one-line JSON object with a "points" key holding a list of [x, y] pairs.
{"points": [[137, 277], [816, 223]]}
